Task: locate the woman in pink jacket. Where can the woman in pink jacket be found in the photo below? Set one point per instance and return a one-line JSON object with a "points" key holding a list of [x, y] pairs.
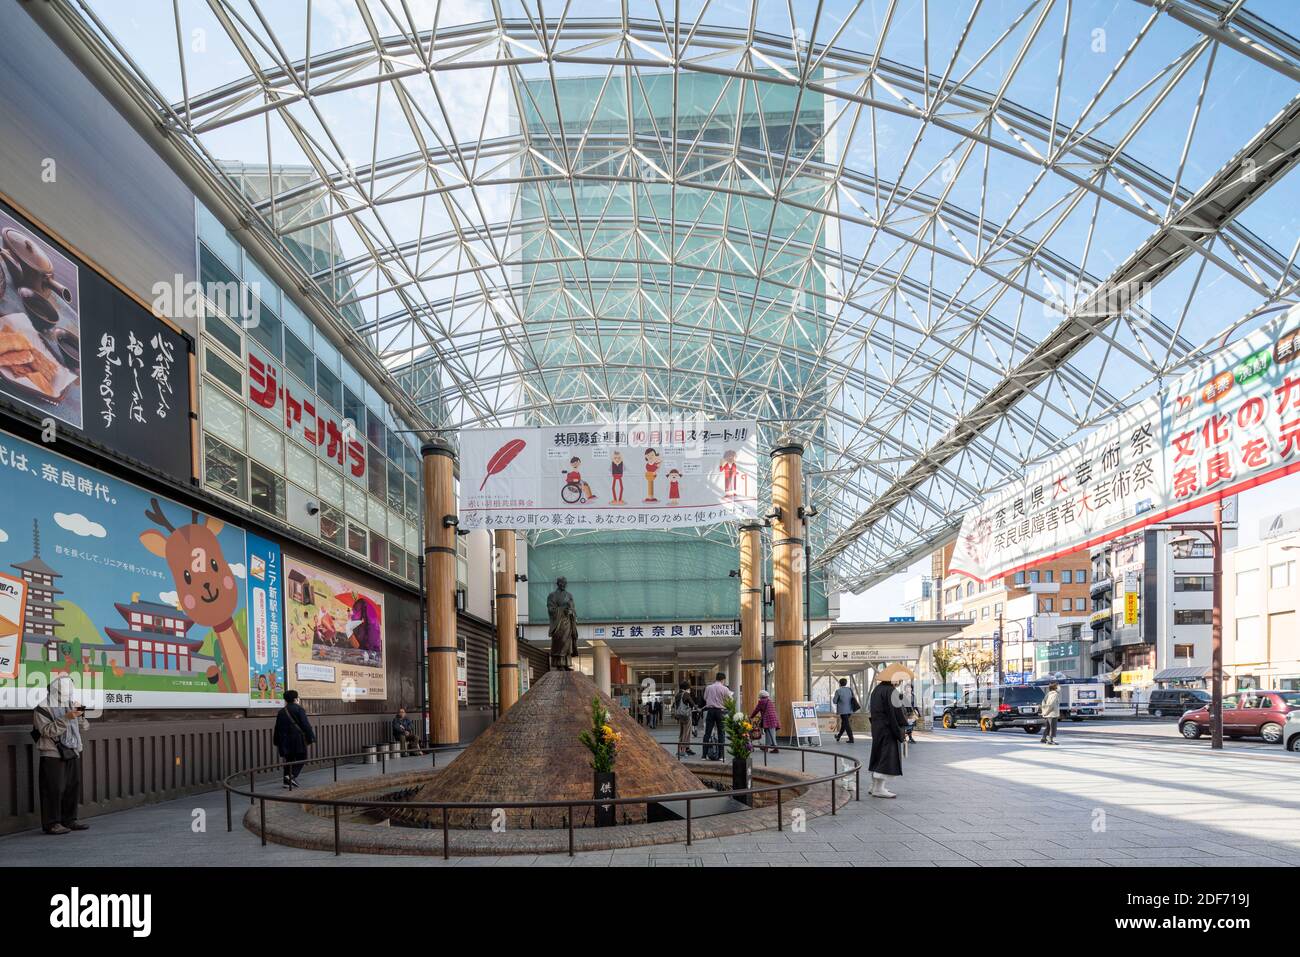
{"points": [[765, 711]]}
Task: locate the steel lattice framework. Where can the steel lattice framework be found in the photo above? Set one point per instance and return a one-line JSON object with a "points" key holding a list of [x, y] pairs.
{"points": [[935, 239]]}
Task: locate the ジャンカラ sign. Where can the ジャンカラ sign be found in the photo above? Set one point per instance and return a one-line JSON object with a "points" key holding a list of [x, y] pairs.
{"points": [[637, 475], [1231, 424]]}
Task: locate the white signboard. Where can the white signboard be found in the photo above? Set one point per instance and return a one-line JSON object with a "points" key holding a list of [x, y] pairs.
{"points": [[867, 654], [640, 475], [1231, 424], [714, 629], [805, 719]]}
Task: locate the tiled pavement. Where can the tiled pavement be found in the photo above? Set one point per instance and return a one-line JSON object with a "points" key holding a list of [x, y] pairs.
{"points": [[965, 800]]}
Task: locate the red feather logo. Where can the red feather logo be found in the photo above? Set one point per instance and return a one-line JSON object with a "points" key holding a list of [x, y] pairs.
{"points": [[501, 458]]}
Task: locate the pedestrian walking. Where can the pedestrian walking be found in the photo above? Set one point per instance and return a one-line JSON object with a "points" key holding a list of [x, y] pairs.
{"points": [[292, 736], [715, 701], [57, 724], [768, 720], [887, 730], [845, 703], [1051, 712], [683, 709]]}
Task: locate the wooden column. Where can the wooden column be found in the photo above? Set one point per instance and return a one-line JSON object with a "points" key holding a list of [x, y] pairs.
{"points": [[787, 578], [440, 590], [751, 603], [503, 560]]}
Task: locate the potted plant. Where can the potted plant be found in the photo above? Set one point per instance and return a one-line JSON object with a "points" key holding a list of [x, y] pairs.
{"points": [[602, 741], [740, 746]]}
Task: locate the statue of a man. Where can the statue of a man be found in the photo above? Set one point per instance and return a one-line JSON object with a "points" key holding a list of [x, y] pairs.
{"points": [[564, 626]]}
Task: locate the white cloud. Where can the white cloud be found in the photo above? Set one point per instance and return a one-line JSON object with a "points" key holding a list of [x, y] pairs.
{"points": [[4, 536], [78, 524], [237, 569], [169, 598]]}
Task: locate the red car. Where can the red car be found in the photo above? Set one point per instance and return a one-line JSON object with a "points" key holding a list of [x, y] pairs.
{"points": [[1256, 714]]}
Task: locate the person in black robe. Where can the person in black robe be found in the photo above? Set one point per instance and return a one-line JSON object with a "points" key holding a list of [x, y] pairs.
{"points": [[888, 727]]}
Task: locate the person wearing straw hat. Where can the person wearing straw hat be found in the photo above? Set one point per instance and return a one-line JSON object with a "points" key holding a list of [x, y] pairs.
{"points": [[887, 729]]}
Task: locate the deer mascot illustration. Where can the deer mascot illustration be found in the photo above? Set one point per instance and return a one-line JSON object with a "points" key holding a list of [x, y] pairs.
{"points": [[205, 585]]}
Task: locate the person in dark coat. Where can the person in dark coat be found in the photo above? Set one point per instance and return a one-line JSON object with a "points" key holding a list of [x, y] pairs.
{"points": [[293, 735], [888, 727]]}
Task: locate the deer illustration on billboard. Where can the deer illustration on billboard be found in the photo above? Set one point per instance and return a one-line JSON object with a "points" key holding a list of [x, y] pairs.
{"points": [[205, 586]]}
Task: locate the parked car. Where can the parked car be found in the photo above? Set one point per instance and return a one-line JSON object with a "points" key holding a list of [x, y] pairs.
{"points": [[1291, 731], [1004, 706], [1258, 714], [1176, 701]]}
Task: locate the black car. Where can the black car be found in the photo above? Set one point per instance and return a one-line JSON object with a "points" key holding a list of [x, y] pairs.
{"points": [[1005, 706], [1176, 701]]}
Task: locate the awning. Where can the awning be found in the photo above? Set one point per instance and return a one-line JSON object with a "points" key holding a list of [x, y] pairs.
{"points": [[1183, 674]]}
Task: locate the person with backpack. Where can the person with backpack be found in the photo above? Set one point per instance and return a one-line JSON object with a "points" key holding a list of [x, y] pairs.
{"points": [[57, 724], [765, 712], [293, 735], [845, 703], [682, 711]]}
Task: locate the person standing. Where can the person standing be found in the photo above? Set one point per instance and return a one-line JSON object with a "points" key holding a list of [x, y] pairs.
{"points": [[683, 708], [293, 735], [845, 703], [1051, 712], [768, 720], [57, 723], [887, 730], [715, 702]]}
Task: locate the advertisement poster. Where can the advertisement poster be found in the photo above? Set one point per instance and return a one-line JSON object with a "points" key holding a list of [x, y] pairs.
{"points": [[76, 349], [13, 601], [631, 475], [335, 633], [1232, 423], [265, 613], [141, 600]]}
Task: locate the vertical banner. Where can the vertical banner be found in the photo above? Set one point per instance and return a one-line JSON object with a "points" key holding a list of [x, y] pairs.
{"points": [[335, 635], [265, 614], [13, 601], [638, 475]]}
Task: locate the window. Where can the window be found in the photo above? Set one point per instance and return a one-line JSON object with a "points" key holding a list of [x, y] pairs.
{"points": [[358, 539], [397, 561], [225, 470], [1192, 616], [331, 524], [1048, 575], [1081, 576], [1193, 583], [1185, 651], [1035, 577], [1281, 575], [1045, 605], [223, 371], [378, 551], [1020, 578], [299, 359], [1247, 581], [984, 612], [1067, 576], [268, 489], [970, 589], [328, 386]]}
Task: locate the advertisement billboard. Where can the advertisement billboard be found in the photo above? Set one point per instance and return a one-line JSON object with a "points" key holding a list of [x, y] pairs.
{"points": [[76, 350], [265, 617], [141, 600], [1232, 423], [639, 475], [335, 635]]}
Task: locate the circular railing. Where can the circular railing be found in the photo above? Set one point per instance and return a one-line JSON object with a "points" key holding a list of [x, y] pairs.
{"points": [[382, 754]]}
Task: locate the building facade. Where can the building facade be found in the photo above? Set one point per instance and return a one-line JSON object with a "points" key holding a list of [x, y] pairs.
{"points": [[1261, 645]]}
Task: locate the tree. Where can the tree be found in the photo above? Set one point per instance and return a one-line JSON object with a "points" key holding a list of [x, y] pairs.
{"points": [[979, 662], [946, 662]]}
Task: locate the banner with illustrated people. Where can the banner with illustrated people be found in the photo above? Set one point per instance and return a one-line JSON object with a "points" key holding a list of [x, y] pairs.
{"points": [[638, 475], [141, 600], [335, 631]]}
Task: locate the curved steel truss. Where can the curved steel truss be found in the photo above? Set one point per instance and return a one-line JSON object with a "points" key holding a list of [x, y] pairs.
{"points": [[936, 243]]}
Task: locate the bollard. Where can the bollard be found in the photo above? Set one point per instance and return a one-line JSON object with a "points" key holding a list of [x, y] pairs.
{"points": [[370, 755]]}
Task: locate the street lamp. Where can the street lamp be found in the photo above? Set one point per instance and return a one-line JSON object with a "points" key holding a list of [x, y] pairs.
{"points": [[1214, 535]]}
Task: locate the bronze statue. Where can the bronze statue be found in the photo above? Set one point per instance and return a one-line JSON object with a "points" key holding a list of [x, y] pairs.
{"points": [[564, 626]]}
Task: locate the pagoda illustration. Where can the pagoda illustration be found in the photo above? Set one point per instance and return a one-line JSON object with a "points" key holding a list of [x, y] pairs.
{"points": [[40, 628]]}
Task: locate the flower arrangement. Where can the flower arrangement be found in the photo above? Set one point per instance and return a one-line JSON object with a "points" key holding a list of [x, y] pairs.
{"points": [[738, 728], [601, 740]]}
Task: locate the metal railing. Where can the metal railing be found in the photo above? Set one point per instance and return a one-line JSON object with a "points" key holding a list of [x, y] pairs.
{"points": [[687, 797]]}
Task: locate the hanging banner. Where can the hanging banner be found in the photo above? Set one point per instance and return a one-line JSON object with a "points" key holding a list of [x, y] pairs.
{"points": [[1231, 424], [632, 475], [77, 350], [137, 598], [335, 632], [265, 637]]}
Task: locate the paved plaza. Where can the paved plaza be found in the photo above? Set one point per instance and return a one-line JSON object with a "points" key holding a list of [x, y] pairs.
{"points": [[1113, 795]]}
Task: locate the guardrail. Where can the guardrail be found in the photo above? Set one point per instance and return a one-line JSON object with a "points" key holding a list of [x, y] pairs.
{"points": [[260, 798]]}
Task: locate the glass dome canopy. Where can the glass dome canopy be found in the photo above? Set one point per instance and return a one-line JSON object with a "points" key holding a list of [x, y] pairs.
{"points": [[934, 240]]}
